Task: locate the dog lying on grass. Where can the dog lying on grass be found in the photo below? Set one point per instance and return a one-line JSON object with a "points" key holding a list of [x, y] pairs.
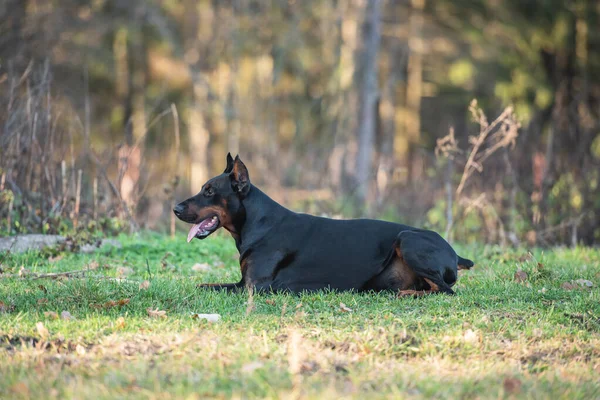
{"points": [[281, 250]]}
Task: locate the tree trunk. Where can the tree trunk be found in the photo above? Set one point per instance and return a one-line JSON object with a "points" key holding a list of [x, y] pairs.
{"points": [[367, 79], [414, 87], [199, 138]]}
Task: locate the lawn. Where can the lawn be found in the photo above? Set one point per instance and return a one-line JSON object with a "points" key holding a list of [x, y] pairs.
{"points": [[129, 329]]}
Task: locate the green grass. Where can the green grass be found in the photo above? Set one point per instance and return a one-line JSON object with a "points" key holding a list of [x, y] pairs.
{"points": [[496, 338]]}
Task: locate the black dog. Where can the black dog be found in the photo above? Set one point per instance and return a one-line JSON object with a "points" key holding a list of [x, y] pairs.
{"points": [[282, 250]]}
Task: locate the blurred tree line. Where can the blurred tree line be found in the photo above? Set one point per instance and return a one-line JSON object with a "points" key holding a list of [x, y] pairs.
{"points": [[336, 106]]}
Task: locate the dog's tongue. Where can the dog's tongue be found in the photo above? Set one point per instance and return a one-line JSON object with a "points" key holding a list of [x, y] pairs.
{"points": [[193, 232], [196, 228]]}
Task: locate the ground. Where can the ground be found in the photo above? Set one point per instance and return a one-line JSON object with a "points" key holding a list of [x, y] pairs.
{"points": [[521, 325]]}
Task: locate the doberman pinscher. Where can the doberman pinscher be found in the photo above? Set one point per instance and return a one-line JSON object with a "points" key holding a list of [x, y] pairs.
{"points": [[281, 250]]}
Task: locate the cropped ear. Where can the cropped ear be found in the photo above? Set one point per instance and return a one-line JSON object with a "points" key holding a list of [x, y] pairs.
{"points": [[240, 180], [229, 166]]}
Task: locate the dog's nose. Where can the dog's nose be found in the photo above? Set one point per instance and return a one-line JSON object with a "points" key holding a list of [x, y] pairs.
{"points": [[178, 210]]}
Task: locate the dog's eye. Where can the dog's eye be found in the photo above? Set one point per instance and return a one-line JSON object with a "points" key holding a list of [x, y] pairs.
{"points": [[209, 191]]}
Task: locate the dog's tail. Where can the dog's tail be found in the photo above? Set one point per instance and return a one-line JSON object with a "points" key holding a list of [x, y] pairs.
{"points": [[464, 263]]}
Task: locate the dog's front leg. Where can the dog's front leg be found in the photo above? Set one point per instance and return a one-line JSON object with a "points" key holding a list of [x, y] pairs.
{"points": [[228, 287]]}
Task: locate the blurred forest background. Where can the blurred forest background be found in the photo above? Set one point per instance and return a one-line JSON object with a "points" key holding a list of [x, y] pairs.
{"points": [[110, 110]]}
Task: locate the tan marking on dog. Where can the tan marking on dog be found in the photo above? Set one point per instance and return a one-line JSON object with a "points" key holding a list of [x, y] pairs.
{"points": [[403, 272]]}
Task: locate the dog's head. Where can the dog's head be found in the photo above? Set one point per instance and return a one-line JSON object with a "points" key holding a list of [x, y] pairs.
{"points": [[219, 203]]}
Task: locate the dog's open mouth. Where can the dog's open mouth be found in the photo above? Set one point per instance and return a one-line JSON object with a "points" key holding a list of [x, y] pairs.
{"points": [[204, 228]]}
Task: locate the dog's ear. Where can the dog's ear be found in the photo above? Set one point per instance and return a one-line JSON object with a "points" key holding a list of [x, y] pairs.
{"points": [[240, 180], [229, 166]]}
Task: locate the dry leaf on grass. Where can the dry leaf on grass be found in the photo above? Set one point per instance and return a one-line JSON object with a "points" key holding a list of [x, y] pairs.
{"points": [[111, 304], [470, 336], [80, 350], [42, 331], [42, 301], [577, 284], [43, 288], [584, 283], [201, 267], [66, 316], [208, 317], [144, 285], [270, 302], [345, 308], [520, 276], [51, 314], [23, 271], [156, 313]]}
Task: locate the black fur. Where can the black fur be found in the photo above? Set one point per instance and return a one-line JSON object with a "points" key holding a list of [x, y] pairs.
{"points": [[283, 250]]}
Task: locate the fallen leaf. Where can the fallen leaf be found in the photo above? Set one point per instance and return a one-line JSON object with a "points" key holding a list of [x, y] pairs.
{"points": [[208, 317], [270, 302], [520, 276], [42, 331], [66, 316], [42, 301], [124, 271], [156, 313], [23, 271], [201, 267], [120, 303], [251, 367], [43, 288], [144, 285], [80, 350], [512, 385], [568, 286], [51, 314], [470, 336], [120, 323], [298, 305], [584, 283], [345, 308]]}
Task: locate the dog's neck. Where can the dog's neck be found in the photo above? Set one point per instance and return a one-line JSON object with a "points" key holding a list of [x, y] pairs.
{"points": [[261, 214]]}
